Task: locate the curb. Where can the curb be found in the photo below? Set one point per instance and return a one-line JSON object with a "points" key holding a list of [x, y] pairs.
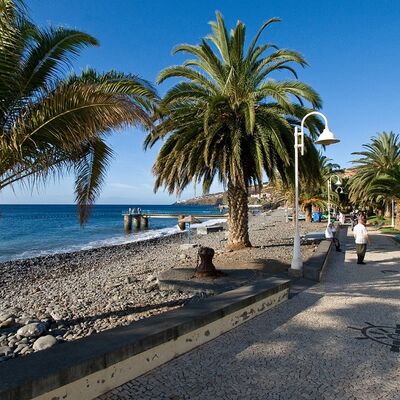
{"points": [[314, 267]]}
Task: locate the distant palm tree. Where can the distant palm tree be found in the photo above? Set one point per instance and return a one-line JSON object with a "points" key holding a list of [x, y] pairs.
{"points": [[313, 188], [388, 185], [230, 120], [379, 159], [316, 193], [51, 125]]}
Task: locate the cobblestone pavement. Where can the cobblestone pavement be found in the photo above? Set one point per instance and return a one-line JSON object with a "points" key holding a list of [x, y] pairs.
{"points": [[311, 347]]}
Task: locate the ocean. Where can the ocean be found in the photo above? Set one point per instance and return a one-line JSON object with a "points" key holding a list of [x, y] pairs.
{"points": [[35, 230]]}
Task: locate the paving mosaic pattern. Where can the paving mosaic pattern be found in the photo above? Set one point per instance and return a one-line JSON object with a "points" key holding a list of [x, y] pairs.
{"points": [[310, 347]]}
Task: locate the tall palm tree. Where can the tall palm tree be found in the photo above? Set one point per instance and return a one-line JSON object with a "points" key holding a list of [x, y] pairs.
{"points": [[388, 185], [379, 158], [312, 188], [51, 124], [229, 119]]}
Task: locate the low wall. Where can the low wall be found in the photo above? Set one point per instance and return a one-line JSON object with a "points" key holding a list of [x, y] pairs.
{"points": [[88, 367], [314, 267]]}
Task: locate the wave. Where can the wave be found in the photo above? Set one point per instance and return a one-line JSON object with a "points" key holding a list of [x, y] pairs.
{"points": [[113, 241]]}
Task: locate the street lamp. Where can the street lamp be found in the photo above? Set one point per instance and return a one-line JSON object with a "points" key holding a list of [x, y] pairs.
{"points": [[337, 183], [326, 138], [392, 213]]}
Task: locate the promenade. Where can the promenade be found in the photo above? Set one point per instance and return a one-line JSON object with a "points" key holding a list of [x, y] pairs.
{"points": [[336, 340]]}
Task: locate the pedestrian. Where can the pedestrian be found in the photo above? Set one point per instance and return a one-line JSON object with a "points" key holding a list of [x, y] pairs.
{"points": [[361, 238], [330, 235], [354, 219], [341, 218]]}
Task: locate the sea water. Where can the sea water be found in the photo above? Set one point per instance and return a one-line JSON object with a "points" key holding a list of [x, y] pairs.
{"points": [[36, 230]]}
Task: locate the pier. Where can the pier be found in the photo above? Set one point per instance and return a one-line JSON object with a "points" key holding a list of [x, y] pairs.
{"points": [[137, 221]]}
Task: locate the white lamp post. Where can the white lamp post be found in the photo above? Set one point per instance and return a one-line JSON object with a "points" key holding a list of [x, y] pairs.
{"points": [[338, 182], [392, 213], [326, 138]]}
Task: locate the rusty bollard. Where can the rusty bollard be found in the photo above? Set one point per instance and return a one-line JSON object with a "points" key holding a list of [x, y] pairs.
{"points": [[206, 267]]}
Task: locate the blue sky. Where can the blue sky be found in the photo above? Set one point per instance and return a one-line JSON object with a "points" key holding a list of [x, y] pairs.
{"points": [[353, 48]]}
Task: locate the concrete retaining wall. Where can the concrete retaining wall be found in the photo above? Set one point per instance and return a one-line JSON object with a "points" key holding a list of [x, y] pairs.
{"points": [[86, 368], [314, 267]]}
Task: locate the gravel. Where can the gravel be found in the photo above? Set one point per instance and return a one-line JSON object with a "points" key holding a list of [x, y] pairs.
{"points": [[73, 295]]}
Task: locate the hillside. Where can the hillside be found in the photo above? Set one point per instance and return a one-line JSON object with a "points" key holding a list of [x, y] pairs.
{"points": [[265, 196], [213, 199]]}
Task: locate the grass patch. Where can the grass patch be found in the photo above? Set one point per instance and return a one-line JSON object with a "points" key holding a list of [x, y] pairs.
{"points": [[390, 231], [374, 219]]}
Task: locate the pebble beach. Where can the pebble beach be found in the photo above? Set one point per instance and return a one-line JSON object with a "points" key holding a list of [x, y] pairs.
{"points": [[46, 301]]}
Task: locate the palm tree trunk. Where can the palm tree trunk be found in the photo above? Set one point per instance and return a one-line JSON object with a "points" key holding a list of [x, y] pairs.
{"points": [[238, 219], [308, 212], [397, 219]]}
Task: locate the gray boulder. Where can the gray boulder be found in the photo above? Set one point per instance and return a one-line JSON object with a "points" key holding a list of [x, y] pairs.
{"points": [[34, 329], [7, 323], [5, 351], [9, 313], [44, 342], [5, 316]]}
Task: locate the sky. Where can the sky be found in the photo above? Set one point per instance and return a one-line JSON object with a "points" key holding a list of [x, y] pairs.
{"points": [[352, 47]]}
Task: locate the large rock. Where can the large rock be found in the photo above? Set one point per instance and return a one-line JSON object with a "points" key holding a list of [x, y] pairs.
{"points": [[5, 316], [34, 329], [7, 323], [188, 246], [5, 351], [9, 313], [44, 342]]}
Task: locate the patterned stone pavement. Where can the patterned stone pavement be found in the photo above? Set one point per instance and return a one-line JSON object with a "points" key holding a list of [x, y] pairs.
{"points": [[334, 341]]}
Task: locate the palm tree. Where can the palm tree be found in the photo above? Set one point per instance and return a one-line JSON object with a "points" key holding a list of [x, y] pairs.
{"points": [[314, 192], [388, 185], [229, 119], [50, 124], [379, 159]]}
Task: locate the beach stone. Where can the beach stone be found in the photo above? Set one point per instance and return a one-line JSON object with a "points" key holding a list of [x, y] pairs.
{"points": [[188, 246], [9, 313], [34, 329], [5, 316], [5, 351], [57, 315], [19, 348], [25, 350], [7, 323], [44, 342], [23, 320], [15, 310], [151, 278], [152, 287]]}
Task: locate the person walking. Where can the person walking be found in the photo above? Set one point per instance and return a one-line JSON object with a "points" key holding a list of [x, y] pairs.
{"points": [[361, 238]]}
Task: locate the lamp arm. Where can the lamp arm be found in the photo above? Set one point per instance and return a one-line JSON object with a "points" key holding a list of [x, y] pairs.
{"points": [[314, 113], [301, 134]]}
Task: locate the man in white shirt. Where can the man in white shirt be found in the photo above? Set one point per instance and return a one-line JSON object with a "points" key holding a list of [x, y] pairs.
{"points": [[330, 235], [361, 236]]}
